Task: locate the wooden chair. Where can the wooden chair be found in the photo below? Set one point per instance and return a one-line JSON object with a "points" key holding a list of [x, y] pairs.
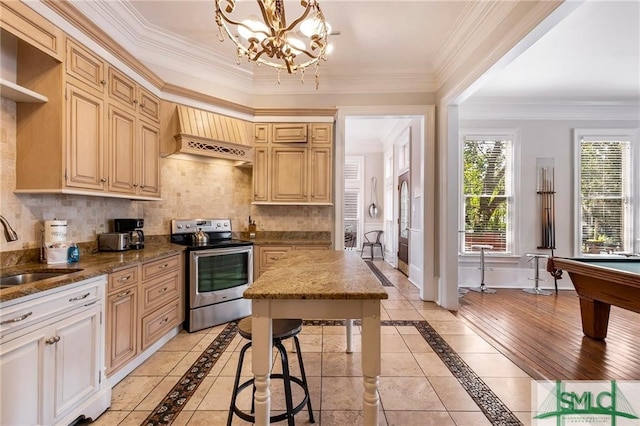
{"points": [[372, 239]]}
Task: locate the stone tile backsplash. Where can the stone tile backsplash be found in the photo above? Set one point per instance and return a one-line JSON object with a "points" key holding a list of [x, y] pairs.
{"points": [[190, 189]]}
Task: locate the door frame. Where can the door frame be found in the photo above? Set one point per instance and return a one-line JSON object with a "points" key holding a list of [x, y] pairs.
{"points": [[425, 191], [402, 266]]}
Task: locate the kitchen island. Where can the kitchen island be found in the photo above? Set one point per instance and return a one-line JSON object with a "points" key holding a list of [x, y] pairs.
{"points": [[317, 285]]}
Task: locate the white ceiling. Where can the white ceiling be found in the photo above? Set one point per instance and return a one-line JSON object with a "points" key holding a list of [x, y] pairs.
{"points": [[386, 46]]}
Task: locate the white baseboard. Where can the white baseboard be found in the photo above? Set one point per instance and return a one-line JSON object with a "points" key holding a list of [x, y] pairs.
{"points": [[510, 278]]}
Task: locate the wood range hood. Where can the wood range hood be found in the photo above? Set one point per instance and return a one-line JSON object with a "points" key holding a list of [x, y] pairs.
{"points": [[212, 135]]}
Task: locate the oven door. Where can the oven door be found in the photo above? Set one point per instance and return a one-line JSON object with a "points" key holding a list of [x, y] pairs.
{"points": [[219, 275]]}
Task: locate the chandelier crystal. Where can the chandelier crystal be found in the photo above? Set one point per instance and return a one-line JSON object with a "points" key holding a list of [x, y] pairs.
{"points": [[272, 41]]}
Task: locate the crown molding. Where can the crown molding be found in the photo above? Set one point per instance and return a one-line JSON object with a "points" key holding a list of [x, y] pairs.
{"points": [[72, 15], [501, 109], [472, 27]]}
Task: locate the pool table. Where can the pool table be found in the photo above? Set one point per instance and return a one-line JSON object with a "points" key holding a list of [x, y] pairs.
{"points": [[600, 283]]}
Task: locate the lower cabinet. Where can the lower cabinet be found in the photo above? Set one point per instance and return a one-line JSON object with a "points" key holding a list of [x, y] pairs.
{"points": [[144, 303], [51, 370], [268, 255]]}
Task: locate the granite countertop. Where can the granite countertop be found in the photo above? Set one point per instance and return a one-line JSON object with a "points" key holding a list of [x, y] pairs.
{"points": [[90, 265], [331, 274], [307, 238]]}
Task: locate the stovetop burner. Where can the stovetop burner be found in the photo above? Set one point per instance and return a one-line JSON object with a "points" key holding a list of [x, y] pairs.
{"points": [[218, 230]]}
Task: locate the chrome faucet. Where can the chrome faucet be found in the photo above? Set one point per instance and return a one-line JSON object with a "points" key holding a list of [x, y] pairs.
{"points": [[9, 233]]}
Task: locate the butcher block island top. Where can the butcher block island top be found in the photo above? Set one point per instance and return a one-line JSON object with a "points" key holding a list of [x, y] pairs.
{"points": [[315, 274]]}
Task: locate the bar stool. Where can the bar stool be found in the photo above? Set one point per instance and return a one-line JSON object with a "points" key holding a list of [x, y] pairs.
{"points": [[536, 274], [482, 288], [281, 329]]}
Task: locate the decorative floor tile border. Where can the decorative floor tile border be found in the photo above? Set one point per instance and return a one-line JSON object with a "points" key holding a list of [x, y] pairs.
{"points": [[379, 275], [492, 407]]}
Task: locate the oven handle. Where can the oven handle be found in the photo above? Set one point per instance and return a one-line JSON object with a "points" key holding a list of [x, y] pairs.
{"points": [[221, 251]]}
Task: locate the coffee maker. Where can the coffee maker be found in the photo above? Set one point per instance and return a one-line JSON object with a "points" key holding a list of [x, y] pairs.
{"points": [[134, 228]]}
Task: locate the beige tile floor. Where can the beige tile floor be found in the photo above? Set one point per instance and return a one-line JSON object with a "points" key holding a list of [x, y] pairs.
{"points": [[415, 386]]}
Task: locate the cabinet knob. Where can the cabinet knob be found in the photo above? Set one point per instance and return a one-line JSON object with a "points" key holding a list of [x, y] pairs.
{"points": [[52, 340], [135, 101], [103, 180], [135, 185], [103, 82], [142, 186], [166, 265], [125, 279]]}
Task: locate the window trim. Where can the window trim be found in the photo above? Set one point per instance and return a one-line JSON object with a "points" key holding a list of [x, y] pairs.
{"points": [[634, 190], [513, 221]]}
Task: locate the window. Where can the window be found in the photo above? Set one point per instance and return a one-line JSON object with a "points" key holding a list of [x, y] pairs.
{"points": [[487, 191], [605, 197]]}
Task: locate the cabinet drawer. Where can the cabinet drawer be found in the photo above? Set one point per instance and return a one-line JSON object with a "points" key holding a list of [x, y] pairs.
{"points": [[159, 322], [51, 303], [159, 267], [270, 255], [123, 278], [159, 290], [85, 66]]}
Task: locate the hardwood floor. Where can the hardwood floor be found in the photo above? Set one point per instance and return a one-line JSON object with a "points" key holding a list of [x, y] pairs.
{"points": [[543, 335]]}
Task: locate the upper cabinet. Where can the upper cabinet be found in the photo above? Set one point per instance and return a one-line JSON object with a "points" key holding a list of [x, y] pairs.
{"points": [[293, 163], [98, 134]]}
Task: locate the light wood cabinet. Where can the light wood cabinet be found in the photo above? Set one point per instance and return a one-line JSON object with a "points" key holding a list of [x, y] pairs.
{"points": [[268, 255], [144, 303], [294, 165], [288, 174], [121, 318], [289, 133], [26, 24], [100, 135]]}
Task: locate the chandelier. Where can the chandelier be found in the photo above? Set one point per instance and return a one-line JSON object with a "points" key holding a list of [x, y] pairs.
{"points": [[272, 41]]}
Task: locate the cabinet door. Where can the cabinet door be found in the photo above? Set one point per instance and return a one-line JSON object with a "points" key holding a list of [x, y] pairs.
{"points": [[322, 133], [121, 328], [149, 160], [289, 174], [85, 140], [261, 174], [261, 133], [149, 105], [122, 89], [320, 175], [289, 133], [21, 375], [122, 152], [77, 359], [84, 66]]}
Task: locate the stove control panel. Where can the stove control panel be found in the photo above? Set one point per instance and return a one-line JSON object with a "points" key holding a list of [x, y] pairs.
{"points": [[190, 226]]}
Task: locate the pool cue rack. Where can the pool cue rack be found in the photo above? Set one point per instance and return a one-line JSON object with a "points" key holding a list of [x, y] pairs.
{"points": [[545, 188]]}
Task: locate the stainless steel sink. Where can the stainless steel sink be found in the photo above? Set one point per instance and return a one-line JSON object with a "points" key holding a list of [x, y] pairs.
{"points": [[29, 277]]}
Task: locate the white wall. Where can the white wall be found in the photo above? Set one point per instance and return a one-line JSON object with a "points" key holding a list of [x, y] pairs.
{"points": [[538, 139]]}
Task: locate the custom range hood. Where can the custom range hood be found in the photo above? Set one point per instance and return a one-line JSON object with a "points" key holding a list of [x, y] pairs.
{"points": [[207, 134]]}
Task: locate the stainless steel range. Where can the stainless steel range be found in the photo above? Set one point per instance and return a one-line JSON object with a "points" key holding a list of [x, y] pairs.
{"points": [[218, 270]]}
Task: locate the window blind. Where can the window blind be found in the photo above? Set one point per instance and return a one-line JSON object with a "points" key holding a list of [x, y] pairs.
{"points": [[487, 192], [605, 196]]}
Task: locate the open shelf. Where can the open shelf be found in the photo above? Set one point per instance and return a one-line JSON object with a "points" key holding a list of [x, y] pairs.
{"points": [[20, 94]]}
